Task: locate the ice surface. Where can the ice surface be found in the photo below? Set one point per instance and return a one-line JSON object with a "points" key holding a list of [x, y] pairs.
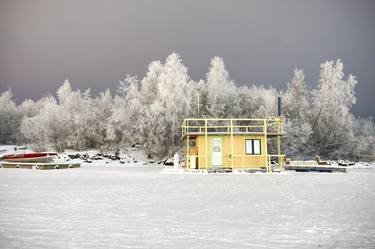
{"points": [[138, 207]]}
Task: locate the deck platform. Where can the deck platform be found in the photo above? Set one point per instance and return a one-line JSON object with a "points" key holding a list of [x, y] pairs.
{"points": [[236, 170], [38, 166], [315, 167]]}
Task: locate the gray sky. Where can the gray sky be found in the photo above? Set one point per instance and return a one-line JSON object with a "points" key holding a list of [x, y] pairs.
{"points": [[95, 43]]}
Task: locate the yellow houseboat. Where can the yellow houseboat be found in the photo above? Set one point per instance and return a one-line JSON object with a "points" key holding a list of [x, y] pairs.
{"points": [[229, 144]]}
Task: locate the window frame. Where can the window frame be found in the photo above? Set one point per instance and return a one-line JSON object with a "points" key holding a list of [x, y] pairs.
{"points": [[252, 145]]}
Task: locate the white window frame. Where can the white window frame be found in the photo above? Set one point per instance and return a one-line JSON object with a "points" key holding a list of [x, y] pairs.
{"points": [[255, 146]]}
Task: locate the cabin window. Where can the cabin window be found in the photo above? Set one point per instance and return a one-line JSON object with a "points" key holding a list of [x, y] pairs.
{"points": [[192, 143], [252, 147]]}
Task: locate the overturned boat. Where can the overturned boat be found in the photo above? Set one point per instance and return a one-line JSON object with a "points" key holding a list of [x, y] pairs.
{"points": [[30, 157]]}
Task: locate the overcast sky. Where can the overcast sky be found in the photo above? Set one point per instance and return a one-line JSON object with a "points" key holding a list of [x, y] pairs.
{"points": [[95, 43]]}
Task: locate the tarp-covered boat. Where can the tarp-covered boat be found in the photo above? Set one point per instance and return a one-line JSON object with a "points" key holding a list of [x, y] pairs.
{"points": [[30, 157]]}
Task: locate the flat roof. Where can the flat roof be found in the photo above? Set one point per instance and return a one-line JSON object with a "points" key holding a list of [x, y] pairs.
{"points": [[269, 134]]}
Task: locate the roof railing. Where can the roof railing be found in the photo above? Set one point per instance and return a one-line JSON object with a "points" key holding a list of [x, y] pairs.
{"points": [[210, 126]]}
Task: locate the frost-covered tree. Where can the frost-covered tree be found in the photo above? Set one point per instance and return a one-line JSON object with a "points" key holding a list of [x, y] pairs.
{"points": [[221, 90], [69, 122], [363, 144], [76, 111], [126, 111], [264, 101], [297, 141], [166, 97], [131, 121], [296, 98], [174, 99], [296, 107], [331, 117], [150, 112], [47, 127], [32, 128], [246, 103], [10, 119], [101, 136], [29, 107]]}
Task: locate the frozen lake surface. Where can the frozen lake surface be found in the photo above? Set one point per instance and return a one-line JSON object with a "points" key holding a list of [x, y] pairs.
{"points": [[125, 207]]}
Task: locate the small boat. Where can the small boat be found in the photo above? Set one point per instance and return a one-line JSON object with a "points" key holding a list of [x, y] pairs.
{"points": [[30, 157]]}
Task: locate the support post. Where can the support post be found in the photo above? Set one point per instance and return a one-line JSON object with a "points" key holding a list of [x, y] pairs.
{"points": [[279, 152], [266, 146], [231, 142], [206, 142], [281, 160], [187, 153], [173, 143], [198, 104]]}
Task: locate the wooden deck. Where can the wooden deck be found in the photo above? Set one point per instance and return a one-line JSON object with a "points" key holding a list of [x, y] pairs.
{"points": [[230, 170], [314, 167], [39, 166]]}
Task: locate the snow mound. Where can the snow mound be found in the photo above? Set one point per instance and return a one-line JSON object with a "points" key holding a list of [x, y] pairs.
{"points": [[362, 165]]}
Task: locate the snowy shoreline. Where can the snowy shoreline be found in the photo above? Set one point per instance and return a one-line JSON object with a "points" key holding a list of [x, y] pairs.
{"points": [[134, 157]]}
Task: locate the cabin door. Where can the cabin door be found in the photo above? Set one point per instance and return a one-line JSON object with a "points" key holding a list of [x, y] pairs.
{"points": [[217, 151]]}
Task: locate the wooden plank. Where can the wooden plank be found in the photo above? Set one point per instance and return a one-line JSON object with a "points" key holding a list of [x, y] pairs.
{"points": [[319, 168], [237, 170], [302, 163], [40, 166], [251, 170]]}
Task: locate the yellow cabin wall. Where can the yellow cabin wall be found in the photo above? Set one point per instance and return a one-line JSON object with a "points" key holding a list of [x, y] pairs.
{"points": [[239, 161]]}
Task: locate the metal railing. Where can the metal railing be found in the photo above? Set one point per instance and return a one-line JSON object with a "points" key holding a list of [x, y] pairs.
{"points": [[267, 162], [195, 126]]}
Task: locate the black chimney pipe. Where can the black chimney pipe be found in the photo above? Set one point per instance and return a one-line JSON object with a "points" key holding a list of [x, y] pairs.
{"points": [[279, 106]]}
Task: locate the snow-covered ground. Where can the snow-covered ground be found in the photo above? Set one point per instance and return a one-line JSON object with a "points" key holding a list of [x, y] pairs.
{"points": [[100, 206]]}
